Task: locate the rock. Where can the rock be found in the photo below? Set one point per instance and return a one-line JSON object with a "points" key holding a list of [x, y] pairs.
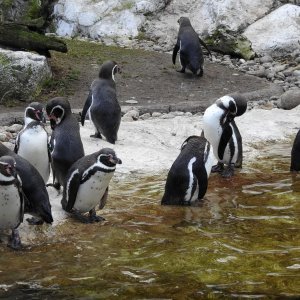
{"points": [[289, 99], [296, 73], [133, 114], [22, 74], [145, 116], [266, 59], [277, 33], [156, 114], [131, 101], [15, 128]]}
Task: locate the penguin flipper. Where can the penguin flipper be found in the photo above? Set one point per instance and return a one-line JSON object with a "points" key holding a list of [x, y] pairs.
{"points": [[205, 46], [175, 50], [103, 199], [71, 188], [86, 107], [201, 175], [17, 144], [224, 140]]}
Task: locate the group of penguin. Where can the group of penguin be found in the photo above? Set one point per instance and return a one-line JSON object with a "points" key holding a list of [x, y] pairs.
{"points": [[24, 172]]}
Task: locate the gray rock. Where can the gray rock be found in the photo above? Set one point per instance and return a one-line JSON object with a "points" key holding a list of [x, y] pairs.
{"points": [[15, 128], [145, 116], [22, 74], [156, 114], [133, 114], [296, 73], [289, 99], [266, 59]]}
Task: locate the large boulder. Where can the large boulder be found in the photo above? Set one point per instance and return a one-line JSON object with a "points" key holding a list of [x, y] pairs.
{"points": [[278, 33], [289, 99], [100, 19], [22, 74]]}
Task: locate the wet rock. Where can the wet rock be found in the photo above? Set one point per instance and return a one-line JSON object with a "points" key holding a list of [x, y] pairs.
{"points": [[289, 99]]}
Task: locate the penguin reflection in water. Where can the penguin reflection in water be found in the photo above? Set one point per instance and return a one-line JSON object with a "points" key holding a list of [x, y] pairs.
{"points": [[189, 46], [11, 200], [223, 134], [102, 105], [188, 177], [65, 143], [295, 154], [86, 184], [32, 140]]}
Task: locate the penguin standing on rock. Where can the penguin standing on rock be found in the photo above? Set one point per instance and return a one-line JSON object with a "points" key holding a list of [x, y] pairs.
{"points": [[32, 140], [11, 200], [65, 144], [188, 177], [36, 196], [189, 46], [86, 184], [102, 105], [223, 134]]}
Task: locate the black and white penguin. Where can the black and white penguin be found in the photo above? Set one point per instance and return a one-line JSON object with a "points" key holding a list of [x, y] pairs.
{"points": [[86, 184], [11, 200], [32, 140], [189, 46], [36, 196], [102, 105], [295, 154], [65, 144], [188, 177], [221, 131]]}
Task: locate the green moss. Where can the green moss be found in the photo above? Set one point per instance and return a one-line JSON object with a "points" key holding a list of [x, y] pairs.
{"points": [[4, 61], [34, 9], [125, 5]]}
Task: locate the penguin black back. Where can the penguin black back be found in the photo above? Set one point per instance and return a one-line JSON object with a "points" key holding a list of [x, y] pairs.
{"points": [[295, 155], [102, 104], [66, 145], [187, 179], [37, 199], [189, 46]]}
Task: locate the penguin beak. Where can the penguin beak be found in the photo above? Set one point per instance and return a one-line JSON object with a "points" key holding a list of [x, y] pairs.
{"points": [[114, 160], [10, 170]]}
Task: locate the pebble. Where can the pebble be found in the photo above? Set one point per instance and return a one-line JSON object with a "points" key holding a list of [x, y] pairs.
{"points": [[131, 101]]}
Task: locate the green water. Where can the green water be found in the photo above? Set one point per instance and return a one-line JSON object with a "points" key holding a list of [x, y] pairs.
{"points": [[242, 241]]}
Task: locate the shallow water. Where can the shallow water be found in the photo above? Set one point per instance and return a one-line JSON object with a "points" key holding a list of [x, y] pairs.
{"points": [[242, 241]]}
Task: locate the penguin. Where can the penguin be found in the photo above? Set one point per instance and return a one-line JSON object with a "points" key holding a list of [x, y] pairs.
{"points": [[32, 140], [187, 179], [36, 198], [189, 46], [102, 105], [86, 184], [11, 200], [222, 132], [295, 154], [65, 143]]}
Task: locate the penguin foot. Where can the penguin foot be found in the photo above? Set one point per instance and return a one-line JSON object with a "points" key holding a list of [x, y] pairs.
{"points": [[56, 185], [94, 218], [97, 135], [218, 168], [181, 71], [228, 172], [35, 221], [14, 240]]}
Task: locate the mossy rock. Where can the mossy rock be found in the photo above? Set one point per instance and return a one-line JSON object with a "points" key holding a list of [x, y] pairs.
{"points": [[228, 42]]}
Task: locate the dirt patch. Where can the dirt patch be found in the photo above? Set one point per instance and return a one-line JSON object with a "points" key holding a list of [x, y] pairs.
{"points": [[147, 77]]}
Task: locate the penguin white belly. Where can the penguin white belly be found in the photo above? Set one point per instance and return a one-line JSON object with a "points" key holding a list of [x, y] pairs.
{"points": [[10, 207], [212, 127], [91, 191], [33, 146], [189, 195]]}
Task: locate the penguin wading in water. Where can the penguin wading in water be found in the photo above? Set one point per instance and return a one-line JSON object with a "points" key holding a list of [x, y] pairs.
{"points": [[87, 182], [11, 200], [102, 105], [187, 179], [221, 131], [189, 46], [32, 140], [295, 154], [65, 144], [36, 197]]}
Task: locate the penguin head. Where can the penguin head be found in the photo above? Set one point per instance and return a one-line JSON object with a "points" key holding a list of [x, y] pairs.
{"points": [[109, 69], [228, 104], [57, 108], [108, 157], [241, 103], [8, 166], [184, 21], [34, 112]]}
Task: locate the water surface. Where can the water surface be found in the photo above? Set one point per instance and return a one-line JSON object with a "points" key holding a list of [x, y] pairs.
{"points": [[242, 241]]}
